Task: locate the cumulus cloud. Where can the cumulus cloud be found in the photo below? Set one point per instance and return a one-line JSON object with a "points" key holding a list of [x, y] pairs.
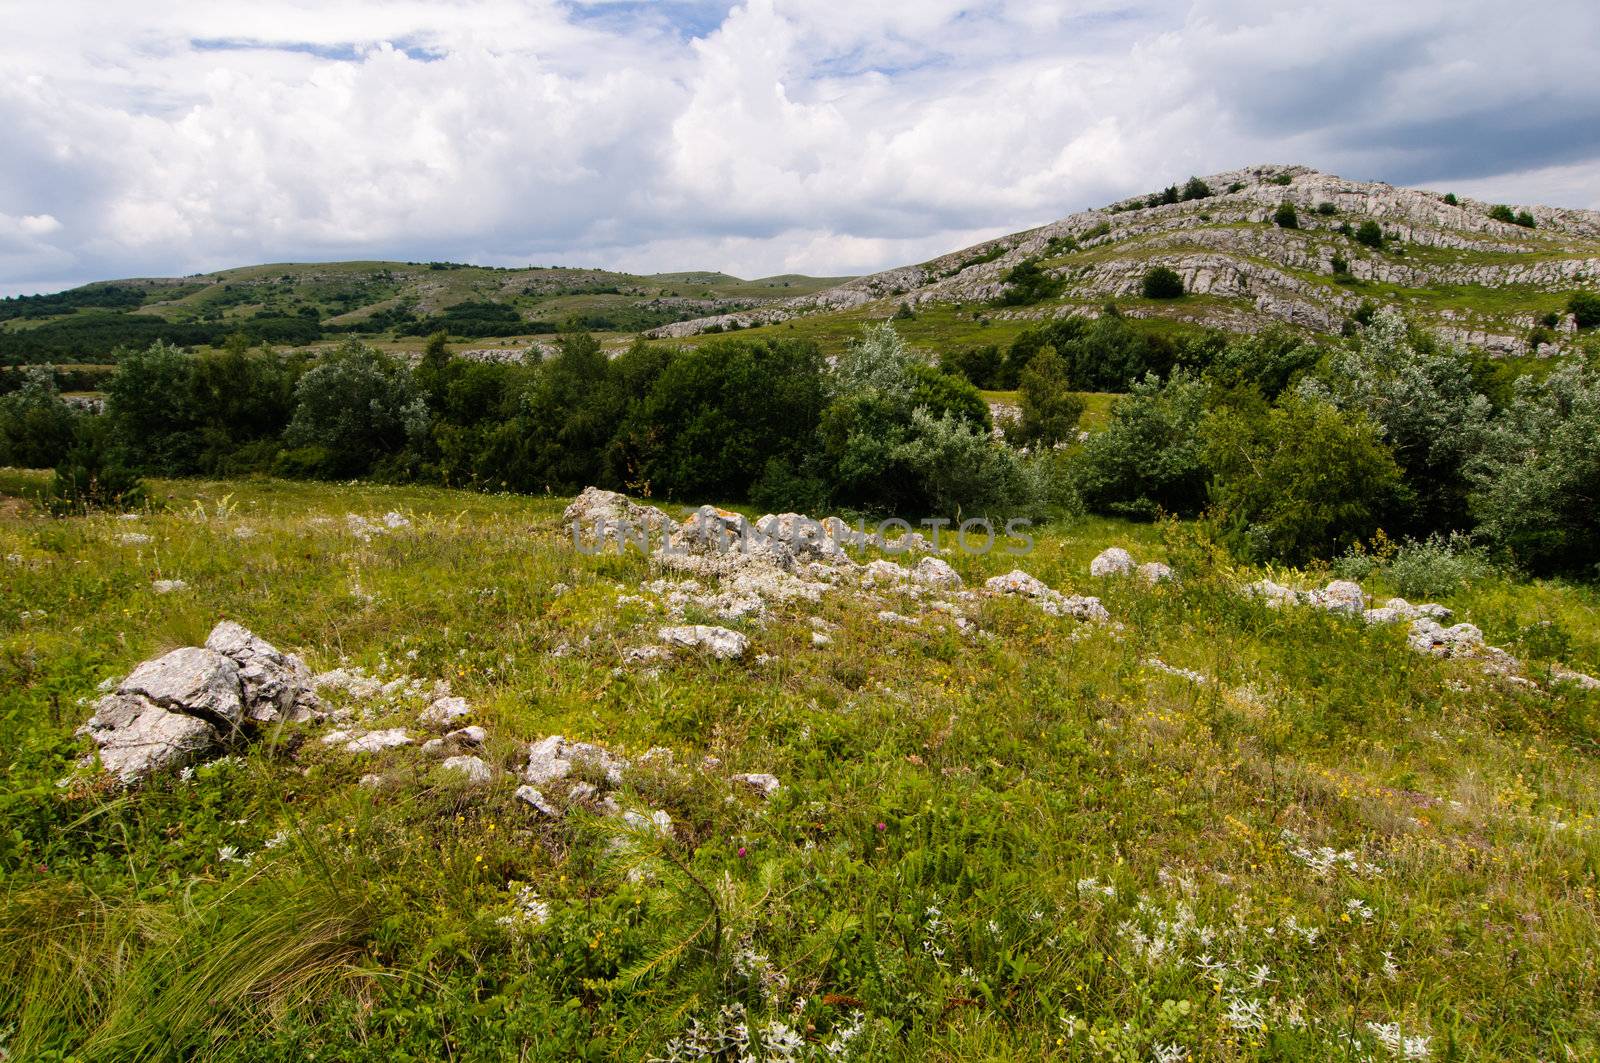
{"points": [[760, 137]]}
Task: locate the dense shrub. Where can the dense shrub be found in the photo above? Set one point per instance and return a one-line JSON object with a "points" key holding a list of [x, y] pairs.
{"points": [[1162, 283], [717, 414], [956, 470], [92, 475], [1501, 212], [1103, 354], [1370, 234], [1584, 308], [36, 426], [1029, 282], [1285, 216], [982, 366], [1149, 460], [1437, 566], [1268, 361], [1427, 406], [1535, 480], [151, 410], [1300, 482], [1195, 188]]}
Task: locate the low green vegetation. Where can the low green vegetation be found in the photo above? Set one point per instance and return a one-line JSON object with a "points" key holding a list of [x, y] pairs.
{"points": [[1031, 844]]}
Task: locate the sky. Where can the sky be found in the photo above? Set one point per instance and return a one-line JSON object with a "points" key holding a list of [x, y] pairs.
{"points": [[772, 136]]}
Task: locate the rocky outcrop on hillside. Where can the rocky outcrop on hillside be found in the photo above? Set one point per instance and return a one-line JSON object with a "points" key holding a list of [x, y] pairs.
{"points": [[1227, 246]]}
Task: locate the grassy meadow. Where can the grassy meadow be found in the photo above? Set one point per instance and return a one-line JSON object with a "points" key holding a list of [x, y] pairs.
{"points": [[1208, 831]]}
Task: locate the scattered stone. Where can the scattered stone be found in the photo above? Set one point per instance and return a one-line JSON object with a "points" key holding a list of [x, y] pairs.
{"points": [[168, 586], [1114, 561], [532, 797], [371, 780], [1153, 572], [378, 741], [1198, 678], [766, 784], [553, 758], [884, 572], [609, 517], [719, 642], [455, 742], [819, 639], [353, 681], [193, 681], [1343, 596], [1017, 582], [1582, 681], [889, 616], [444, 711], [646, 655], [133, 538], [476, 771], [137, 737], [1052, 602], [1431, 637], [936, 572]]}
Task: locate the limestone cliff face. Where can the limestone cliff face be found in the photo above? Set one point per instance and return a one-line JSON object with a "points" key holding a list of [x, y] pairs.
{"points": [[1443, 262]]}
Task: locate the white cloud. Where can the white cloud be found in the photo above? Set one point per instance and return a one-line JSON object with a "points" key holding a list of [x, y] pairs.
{"points": [[769, 136]]}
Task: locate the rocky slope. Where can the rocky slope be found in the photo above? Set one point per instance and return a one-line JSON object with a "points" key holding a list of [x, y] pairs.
{"points": [[1478, 280]]}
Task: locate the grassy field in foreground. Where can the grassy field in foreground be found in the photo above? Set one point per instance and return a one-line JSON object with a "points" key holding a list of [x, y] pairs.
{"points": [[1029, 843]]}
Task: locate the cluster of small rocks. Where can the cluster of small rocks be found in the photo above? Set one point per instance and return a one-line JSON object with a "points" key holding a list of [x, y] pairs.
{"points": [[1053, 602], [779, 558], [1115, 561]]}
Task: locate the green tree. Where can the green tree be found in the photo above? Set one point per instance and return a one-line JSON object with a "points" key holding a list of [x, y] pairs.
{"points": [[92, 475], [36, 425], [1536, 480], [1426, 403], [152, 410], [1149, 460], [982, 366], [1050, 409], [358, 407], [1196, 189]]}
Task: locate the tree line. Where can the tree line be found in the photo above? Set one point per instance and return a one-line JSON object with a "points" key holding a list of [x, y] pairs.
{"points": [[1288, 449]]}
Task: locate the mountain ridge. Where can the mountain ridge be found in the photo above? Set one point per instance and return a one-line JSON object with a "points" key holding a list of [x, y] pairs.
{"points": [[1226, 245]]}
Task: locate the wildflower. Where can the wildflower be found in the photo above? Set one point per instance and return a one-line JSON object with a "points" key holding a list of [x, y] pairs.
{"points": [[1244, 1015], [1168, 1053], [741, 852], [229, 854], [1391, 1037], [881, 826]]}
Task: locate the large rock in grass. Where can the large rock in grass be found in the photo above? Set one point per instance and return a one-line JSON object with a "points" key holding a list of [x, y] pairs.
{"points": [[276, 686], [137, 737], [194, 681], [186, 705]]}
